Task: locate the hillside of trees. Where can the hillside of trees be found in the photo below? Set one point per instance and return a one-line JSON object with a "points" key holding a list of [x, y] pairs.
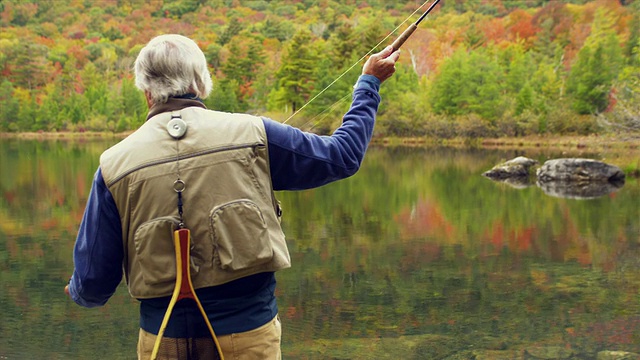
{"points": [[474, 68]]}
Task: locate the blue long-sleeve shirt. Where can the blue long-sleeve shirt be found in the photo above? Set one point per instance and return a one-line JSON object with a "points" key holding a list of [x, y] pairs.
{"points": [[298, 160]]}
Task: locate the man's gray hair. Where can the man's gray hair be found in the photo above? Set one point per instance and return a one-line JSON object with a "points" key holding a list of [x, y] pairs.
{"points": [[172, 65]]}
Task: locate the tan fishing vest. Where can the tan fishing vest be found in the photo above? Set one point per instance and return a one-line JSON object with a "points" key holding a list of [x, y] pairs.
{"points": [[228, 201]]}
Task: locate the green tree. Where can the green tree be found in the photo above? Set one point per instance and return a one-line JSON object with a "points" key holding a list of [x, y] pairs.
{"points": [[51, 107], [596, 67], [242, 68], [230, 31], [469, 83], [632, 47], [447, 91], [176, 9], [524, 100], [224, 97], [8, 106], [95, 91], [277, 28], [296, 73], [519, 69], [485, 86], [27, 111]]}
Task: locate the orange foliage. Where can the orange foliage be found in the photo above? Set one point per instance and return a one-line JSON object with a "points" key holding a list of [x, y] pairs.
{"points": [[423, 51], [494, 31], [497, 236], [44, 41], [523, 238], [522, 27], [80, 54], [424, 219]]}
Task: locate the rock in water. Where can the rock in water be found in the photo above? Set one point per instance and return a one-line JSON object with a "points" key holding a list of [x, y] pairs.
{"points": [[579, 170], [617, 355], [515, 168]]}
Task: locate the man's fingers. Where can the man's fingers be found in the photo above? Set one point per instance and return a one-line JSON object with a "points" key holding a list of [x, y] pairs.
{"points": [[395, 56], [385, 53], [382, 64]]}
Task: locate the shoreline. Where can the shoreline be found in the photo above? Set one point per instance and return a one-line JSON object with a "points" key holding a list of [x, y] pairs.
{"points": [[88, 135], [579, 141], [625, 149]]}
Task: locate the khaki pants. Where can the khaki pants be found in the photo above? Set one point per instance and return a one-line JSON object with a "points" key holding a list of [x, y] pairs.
{"points": [[260, 343]]}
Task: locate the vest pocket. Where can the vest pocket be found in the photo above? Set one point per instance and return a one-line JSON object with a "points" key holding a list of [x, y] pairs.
{"points": [[240, 237], [155, 250]]}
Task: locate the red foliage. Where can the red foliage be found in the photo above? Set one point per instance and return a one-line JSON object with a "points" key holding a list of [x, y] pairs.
{"points": [[424, 219], [612, 100], [80, 54], [494, 30], [45, 41], [78, 85], [557, 13], [522, 26]]}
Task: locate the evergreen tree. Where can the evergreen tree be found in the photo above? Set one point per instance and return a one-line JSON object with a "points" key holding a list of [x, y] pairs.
{"points": [[134, 104], [224, 97], [519, 69], [9, 106], [51, 107], [230, 31], [596, 67], [469, 83], [296, 73], [27, 110], [524, 100], [447, 92], [632, 47], [242, 67], [484, 86]]}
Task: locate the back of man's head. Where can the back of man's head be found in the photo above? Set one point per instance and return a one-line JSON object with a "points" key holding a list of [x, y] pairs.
{"points": [[172, 65]]}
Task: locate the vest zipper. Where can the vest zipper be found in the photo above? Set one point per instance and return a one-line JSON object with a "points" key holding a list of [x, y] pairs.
{"points": [[182, 157]]}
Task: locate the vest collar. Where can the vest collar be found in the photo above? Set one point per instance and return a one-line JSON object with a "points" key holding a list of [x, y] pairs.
{"points": [[173, 104]]}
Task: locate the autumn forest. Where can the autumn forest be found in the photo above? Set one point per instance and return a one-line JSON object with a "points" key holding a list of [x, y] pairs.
{"points": [[474, 68]]}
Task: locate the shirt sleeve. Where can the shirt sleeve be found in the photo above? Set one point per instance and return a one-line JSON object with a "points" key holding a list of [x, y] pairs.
{"points": [[99, 251], [301, 160]]}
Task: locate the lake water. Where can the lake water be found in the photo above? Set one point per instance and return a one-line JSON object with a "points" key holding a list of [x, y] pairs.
{"points": [[416, 257]]}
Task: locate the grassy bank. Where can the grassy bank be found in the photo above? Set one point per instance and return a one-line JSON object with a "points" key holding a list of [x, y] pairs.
{"points": [[87, 135], [594, 142], [623, 151]]}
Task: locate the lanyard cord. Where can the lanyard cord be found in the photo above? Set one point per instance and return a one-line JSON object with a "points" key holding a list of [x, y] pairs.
{"points": [[183, 288], [177, 128]]}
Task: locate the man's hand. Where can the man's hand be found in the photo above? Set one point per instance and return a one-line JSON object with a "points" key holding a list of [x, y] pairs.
{"points": [[381, 65], [66, 290]]}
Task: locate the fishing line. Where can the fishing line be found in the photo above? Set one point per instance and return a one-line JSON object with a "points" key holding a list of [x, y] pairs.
{"points": [[335, 104], [362, 58]]}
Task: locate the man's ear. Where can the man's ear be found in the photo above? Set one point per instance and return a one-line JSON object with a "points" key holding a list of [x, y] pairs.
{"points": [[147, 95]]}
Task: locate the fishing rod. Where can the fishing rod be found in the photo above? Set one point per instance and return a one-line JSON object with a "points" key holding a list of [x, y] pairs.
{"points": [[396, 46], [407, 33]]}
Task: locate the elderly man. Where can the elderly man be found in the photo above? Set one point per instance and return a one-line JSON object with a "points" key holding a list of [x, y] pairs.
{"points": [[213, 173]]}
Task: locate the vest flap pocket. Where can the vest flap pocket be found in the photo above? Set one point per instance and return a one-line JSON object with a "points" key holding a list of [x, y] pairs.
{"points": [[240, 236], [155, 250]]}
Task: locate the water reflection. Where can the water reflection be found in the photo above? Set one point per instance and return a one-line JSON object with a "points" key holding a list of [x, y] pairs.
{"points": [[566, 189], [414, 257], [579, 190]]}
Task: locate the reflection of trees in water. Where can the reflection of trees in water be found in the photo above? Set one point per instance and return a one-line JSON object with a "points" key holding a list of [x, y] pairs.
{"points": [[416, 243]]}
